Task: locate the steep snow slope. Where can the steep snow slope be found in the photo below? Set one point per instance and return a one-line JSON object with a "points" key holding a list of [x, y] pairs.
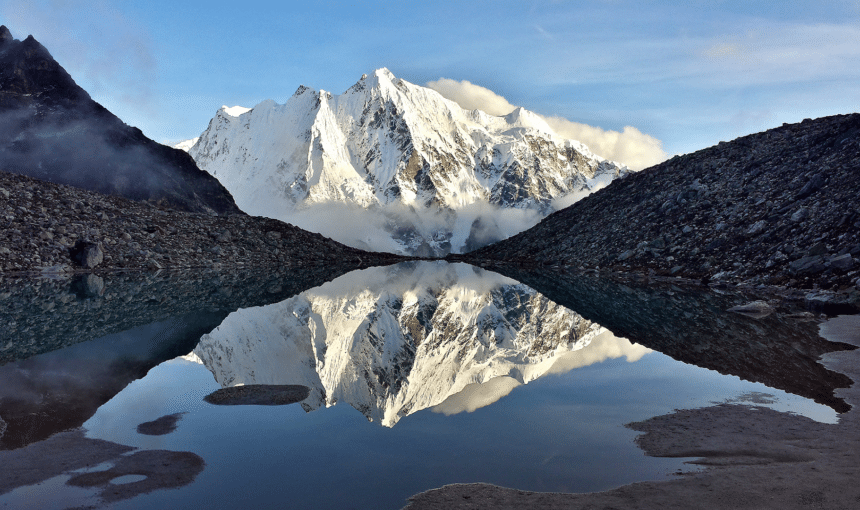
{"points": [[393, 340], [392, 166]]}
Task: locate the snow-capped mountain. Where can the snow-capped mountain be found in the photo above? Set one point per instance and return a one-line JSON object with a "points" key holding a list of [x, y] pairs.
{"points": [[405, 169], [390, 341]]}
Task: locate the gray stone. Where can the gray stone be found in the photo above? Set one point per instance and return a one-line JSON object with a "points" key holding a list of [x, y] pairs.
{"points": [[800, 214], [844, 262], [814, 184], [625, 255], [817, 249], [756, 309], [687, 229], [757, 228], [87, 254]]}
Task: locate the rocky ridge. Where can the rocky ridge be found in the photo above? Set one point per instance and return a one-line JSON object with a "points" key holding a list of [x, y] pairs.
{"points": [[51, 228], [51, 129], [777, 208]]}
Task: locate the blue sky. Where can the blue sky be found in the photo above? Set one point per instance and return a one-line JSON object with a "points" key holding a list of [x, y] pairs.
{"points": [[687, 73]]}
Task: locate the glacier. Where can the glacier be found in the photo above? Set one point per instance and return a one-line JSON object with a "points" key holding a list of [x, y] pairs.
{"points": [[392, 166]]}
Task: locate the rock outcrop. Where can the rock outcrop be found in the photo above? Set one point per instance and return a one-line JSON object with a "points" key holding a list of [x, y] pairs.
{"points": [[779, 207]]}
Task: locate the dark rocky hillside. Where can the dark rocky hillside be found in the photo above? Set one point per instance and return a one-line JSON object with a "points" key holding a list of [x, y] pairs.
{"points": [[51, 129], [56, 229], [780, 207]]}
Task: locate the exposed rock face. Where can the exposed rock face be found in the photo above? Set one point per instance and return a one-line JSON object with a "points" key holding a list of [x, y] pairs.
{"points": [[54, 229], [51, 129], [778, 207]]}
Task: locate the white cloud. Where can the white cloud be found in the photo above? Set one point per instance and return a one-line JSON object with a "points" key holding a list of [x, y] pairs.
{"points": [[631, 147], [603, 347], [475, 396], [471, 97]]}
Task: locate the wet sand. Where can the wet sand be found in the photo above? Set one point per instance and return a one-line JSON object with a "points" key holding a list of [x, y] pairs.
{"points": [[753, 457]]}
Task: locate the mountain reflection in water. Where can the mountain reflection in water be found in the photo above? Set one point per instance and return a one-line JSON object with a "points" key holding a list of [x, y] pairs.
{"points": [[390, 341], [450, 339]]}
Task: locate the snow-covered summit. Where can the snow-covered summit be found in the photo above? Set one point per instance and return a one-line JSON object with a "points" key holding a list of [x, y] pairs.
{"points": [[417, 172]]}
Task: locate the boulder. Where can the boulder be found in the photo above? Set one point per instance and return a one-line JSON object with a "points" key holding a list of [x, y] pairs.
{"points": [[814, 184], [844, 262], [87, 254]]}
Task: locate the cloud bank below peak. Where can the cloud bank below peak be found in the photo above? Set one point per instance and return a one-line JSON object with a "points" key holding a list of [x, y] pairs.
{"points": [[630, 146]]}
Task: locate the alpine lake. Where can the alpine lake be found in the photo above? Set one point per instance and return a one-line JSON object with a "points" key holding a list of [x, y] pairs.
{"points": [[339, 389]]}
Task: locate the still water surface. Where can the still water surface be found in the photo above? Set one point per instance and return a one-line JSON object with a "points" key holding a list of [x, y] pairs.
{"points": [[420, 375]]}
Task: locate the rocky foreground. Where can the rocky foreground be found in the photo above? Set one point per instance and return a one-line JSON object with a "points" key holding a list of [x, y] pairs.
{"points": [[51, 228], [779, 208]]}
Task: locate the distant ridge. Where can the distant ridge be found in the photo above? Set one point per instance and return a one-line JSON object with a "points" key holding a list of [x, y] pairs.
{"points": [[51, 129]]}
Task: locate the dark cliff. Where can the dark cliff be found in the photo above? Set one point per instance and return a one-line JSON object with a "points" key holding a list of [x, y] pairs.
{"points": [[51, 129]]}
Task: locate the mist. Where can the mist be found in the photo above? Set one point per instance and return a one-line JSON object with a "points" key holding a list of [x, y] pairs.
{"points": [[407, 230], [89, 148]]}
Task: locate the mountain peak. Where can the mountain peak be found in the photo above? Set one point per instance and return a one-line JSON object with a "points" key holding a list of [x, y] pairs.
{"points": [[5, 35], [383, 72], [234, 111]]}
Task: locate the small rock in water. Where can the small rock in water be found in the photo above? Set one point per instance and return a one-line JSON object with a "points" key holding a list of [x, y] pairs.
{"points": [[259, 394], [164, 425], [756, 309]]}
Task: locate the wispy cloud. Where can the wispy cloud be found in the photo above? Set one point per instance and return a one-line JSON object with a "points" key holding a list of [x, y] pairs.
{"points": [[786, 53]]}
